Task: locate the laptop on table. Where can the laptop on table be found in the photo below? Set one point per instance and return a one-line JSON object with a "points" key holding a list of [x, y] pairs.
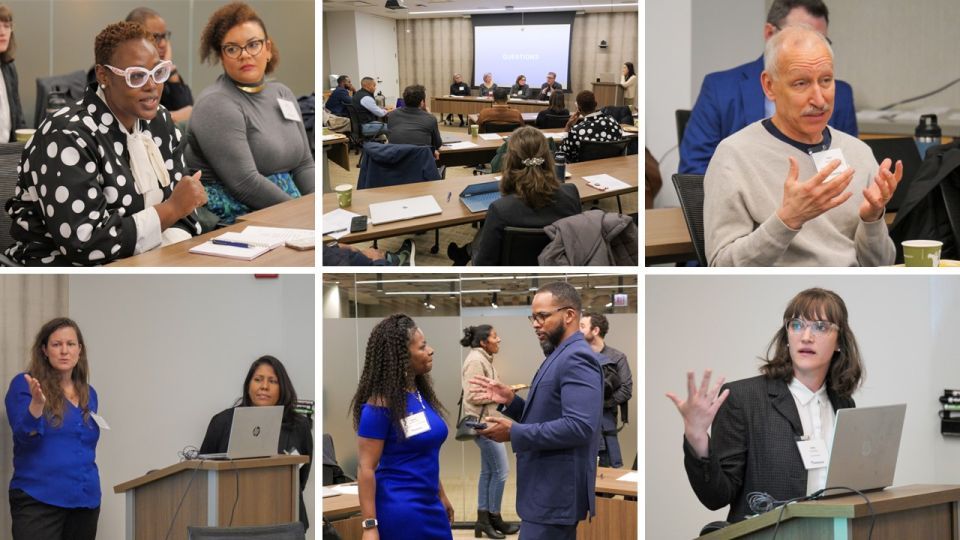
{"points": [[399, 210], [255, 433], [478, 197]]}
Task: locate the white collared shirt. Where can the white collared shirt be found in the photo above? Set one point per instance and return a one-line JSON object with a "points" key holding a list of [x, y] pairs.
{"points": [[817, 418]]}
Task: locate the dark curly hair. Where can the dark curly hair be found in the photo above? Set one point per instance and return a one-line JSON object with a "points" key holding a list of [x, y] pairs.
{"points": [[473, 335], [110, 38], [384, 378], [222, 20], [49, 377], [846, 367], [7, 16]]}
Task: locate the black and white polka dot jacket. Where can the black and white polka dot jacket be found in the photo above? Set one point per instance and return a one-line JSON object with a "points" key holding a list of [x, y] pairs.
{"points": [[76, 196], [596, 127]]}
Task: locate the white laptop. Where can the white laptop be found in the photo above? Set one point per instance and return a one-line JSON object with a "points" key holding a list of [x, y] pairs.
{"points": [[866, 441], [402, 209], [607, 77], [255, 432]]}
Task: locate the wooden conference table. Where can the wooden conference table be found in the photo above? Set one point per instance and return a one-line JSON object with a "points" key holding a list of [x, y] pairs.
{"points": [[529, 118], [668, 240], [343, 512], [484, 150], [445, 105], [297, 213], [447, 195]]}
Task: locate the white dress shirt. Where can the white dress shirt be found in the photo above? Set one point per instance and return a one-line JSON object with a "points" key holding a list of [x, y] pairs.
{"points": [[817, 418]]}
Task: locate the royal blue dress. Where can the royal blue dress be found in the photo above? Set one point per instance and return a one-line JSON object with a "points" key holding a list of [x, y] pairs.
{"points": [[408, 476]]}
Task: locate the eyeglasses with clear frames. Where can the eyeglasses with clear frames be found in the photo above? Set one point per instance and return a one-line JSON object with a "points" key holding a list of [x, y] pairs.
{"points": [[137, 76], [817, 328], [233, 50], [542, 316]]}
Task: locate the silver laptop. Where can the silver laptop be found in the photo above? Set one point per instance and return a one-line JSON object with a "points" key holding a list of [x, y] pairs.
{"points": [[866, 441], [607, 77], [255, 432], [414, 207]]}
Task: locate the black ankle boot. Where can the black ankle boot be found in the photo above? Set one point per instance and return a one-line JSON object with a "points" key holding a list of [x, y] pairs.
{"points": [[483, 526], [506, 528], [459, 255]]}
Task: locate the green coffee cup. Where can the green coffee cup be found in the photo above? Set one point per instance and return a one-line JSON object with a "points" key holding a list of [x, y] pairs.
{"points": [[474, 130], [344, 195], [922, 253]]}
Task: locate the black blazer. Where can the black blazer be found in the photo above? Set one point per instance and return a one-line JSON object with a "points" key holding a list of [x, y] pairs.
{"points": [[511, 210], [12, 82], [752, 447], [293, 435]]}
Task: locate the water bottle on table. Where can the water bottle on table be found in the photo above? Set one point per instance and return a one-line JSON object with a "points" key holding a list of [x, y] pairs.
{"points": [[927, 133]]}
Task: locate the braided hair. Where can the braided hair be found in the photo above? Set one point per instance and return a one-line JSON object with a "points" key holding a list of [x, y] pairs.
{"points": [[385, 372]]}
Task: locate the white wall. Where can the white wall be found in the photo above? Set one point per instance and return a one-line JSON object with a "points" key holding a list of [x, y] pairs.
{"points": [[726, 322], [340, 45], [377, 53], [163, 369]]}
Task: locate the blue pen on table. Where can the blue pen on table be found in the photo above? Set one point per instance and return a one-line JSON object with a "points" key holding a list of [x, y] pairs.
{"points": [[219, 242]]}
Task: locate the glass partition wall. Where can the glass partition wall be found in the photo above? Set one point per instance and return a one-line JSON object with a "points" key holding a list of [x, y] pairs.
{"points": [[443, 305]]}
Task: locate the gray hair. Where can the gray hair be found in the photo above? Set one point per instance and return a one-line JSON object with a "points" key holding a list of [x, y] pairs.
{"points": [[775, 45]]}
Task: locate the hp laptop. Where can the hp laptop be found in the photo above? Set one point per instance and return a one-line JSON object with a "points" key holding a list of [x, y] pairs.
{"points": [[402, 209], [866, 441], [904, 149], [477, 197], [255, 432]]}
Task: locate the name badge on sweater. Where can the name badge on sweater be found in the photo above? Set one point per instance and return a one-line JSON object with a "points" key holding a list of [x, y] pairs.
{"points": [[415, 424], [822, 159], [289, 110], [814, 453], [99, 420]]}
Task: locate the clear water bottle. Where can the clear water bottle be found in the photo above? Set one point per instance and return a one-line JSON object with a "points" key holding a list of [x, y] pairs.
{"points": [[380, 100], [927, 133], [560, 167]]}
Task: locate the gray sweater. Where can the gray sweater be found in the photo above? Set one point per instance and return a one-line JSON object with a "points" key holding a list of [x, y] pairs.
{"points": [[743, 189], [238, 139]]}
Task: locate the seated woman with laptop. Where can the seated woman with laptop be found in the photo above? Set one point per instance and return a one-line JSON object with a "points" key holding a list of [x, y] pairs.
{"points": [[267, 384], [532, 197], [762, 426]]}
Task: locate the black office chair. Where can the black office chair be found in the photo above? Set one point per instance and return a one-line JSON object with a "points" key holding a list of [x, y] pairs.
{"points": [[71, 86], [522, 245], [682, 116], [591, 150], [551, 121], [332, 473], [690, 191], [623, 115], [498, 127], [284, 531], [9, 161], [356, 136]]}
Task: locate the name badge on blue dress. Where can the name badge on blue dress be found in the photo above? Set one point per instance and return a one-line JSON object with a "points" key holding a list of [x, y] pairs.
{"points": [[415, 424]]}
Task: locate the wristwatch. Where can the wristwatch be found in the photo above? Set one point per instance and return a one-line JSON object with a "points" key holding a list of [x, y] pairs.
{"points": [[369, 523]]}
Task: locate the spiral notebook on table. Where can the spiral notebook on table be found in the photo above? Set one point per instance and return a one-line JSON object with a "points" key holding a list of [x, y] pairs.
{"points": [[251, 242]]}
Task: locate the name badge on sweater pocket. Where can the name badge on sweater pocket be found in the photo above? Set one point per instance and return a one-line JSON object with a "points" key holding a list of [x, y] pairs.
{"points": [[814, 453], [822, 159], [289, 110], [415, 424]]}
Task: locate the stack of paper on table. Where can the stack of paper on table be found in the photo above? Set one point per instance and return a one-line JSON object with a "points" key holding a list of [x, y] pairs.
{"points": [[490, 137], [605, 182], [461, 145], [250, 243], [336, 223]]}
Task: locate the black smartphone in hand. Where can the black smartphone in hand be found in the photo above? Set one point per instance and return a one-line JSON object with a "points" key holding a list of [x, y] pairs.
{"points": [[475, 425]]}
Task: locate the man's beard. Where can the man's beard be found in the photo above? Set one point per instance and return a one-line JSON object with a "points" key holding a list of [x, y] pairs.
{"points": [[554, 337]]}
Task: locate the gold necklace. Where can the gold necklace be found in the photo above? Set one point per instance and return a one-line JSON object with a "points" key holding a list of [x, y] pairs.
{"points": [[252, 89]]}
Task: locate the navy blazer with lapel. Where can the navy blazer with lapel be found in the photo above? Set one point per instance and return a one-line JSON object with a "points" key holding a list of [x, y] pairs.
{"points": [[555, 436], [733, 99], [752, 447]]}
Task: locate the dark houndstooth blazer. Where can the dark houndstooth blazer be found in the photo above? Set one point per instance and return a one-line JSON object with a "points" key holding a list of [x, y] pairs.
{"points": [[752, 447]]}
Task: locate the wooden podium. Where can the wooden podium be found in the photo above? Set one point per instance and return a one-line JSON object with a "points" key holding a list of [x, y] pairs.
{"points": [[268, 492], [607, 94], [915, 511]]}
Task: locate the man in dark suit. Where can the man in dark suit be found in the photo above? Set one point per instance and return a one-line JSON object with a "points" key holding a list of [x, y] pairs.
{"points": [[548, 88], [555, 431], [730, 100]]}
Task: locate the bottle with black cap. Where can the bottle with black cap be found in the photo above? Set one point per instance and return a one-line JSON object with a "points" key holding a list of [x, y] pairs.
{"points": [[927, 133], [560, 166]]}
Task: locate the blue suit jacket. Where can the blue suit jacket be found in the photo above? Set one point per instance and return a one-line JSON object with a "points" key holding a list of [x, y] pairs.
{"points": [[733, 99], [556, 436]]}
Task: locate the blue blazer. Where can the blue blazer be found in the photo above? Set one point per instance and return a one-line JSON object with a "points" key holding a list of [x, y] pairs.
{"points": [[556, 436], [733, 99]]}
